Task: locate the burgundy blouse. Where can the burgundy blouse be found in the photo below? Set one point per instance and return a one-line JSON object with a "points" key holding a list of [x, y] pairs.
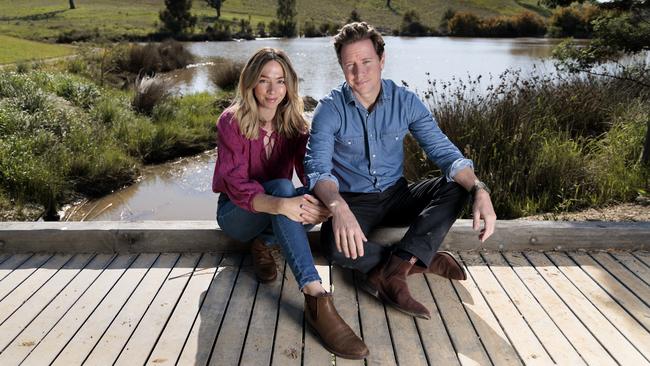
{"points": [[242, 164]]}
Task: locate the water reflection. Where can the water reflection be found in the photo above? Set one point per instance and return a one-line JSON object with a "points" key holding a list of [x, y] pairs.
{"points": [[178, 190]]}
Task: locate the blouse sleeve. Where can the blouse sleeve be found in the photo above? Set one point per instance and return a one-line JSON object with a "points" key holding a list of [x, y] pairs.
{"points": [[299, 157], [231, 173]]}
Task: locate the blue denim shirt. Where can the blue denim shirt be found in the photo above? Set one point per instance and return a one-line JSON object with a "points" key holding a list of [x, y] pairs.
{"points": [[363, 151]]}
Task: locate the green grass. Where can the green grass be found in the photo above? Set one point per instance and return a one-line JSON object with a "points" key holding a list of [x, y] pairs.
{"points": [[116, 19], [17, 50], [64, 136]]}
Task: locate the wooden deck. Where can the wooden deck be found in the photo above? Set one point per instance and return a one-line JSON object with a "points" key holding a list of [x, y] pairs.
{"points": [[567, 308]]}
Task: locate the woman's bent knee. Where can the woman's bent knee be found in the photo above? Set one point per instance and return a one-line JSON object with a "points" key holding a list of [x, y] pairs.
{"points": [[280, 188]]}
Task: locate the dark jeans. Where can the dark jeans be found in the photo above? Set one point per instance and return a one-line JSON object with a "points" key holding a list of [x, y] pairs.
{"points": [[429, 208]]}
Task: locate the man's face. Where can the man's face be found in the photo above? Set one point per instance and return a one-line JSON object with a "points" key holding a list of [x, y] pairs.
{"points": [[362, 69]]}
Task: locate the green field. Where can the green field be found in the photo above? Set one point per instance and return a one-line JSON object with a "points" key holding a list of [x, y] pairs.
{"points": [[17, 50], [113, 19]]}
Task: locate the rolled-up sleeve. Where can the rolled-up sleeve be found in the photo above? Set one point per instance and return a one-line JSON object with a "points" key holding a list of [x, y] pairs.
{"points": [[320, 146], [231, 173], [434, 142]]}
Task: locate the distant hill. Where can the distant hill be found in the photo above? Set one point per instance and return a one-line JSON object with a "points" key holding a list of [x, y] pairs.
{"points": [[52, 20]]}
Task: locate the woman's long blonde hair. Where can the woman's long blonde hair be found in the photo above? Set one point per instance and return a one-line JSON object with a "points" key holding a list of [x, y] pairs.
{"points": [[288, 121]]}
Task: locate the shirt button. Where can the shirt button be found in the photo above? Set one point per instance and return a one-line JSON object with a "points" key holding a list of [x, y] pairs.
{"points": [[349, 142], [397, 138], [373, 155], [374, 171]]}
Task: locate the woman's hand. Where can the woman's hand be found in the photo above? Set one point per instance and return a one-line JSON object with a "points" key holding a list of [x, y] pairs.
{"points": [[314, 212], [305, 209]]}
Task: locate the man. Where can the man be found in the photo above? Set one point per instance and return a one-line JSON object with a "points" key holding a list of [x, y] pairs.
{"points": [[354, 164]]}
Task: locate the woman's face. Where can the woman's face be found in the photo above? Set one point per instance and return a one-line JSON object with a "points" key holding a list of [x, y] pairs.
{"points": [[270, 89]]}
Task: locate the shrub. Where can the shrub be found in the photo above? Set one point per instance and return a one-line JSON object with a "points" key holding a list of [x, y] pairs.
{"points": [[573, 21], [148, 92], [542, 143], [225, 73], [261, 29], [464, 24], [411, 25], [220, 32], [153, 58], [309, 29], [529, 24], [245, 30]]}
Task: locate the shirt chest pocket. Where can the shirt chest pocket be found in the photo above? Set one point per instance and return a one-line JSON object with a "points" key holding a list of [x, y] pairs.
{"points": [[392, 142], [350, 146]]}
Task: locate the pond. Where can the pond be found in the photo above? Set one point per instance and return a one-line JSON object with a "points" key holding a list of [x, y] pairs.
{"points": [[181, 190]]}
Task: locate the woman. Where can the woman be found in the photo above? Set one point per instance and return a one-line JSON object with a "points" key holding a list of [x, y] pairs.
{"points": [[261, 139]]}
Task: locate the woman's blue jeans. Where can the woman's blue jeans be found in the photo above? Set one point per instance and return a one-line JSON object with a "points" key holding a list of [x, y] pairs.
{"points": [[244, 226]]}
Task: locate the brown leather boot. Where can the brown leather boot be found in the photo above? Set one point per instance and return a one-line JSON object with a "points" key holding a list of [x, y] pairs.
{"points": [[335, 333], [443, 264], [263, 262], [387, 281]]}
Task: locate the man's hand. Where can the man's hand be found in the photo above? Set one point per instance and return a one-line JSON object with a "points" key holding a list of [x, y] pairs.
{"points": [[482, 209], [348, 235]]}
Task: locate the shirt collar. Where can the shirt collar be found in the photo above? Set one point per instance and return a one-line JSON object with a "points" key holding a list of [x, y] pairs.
{"points": [[384, 93]]}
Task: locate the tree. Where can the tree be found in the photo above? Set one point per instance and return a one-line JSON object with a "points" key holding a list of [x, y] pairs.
{"points": [[72, 4], [216, 4], [176, 17], [286, 14]]}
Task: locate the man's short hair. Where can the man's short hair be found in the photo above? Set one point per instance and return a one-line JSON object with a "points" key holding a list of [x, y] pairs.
{"points": [[358, 31]]}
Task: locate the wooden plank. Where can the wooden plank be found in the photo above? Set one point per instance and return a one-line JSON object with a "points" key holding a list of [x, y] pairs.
{"points": [[201, 236], [110, 344], [143, 339], [46, 351], [491, 334], [559, 348], [345, 301], [643, 256], [433, 334], [20, 274], [608, 335], [4, 257], [626, 324], [287, 348], [634, 265], [404, 334], [32, 284], [199, 343], [232, 335], [525, 341], [82, 343], [170, 344], [12, 263], [467, 343], [314, 353], [627, 289], [37, 302], [16, 349], [374, 327], [579, 336], [259, 341]]}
